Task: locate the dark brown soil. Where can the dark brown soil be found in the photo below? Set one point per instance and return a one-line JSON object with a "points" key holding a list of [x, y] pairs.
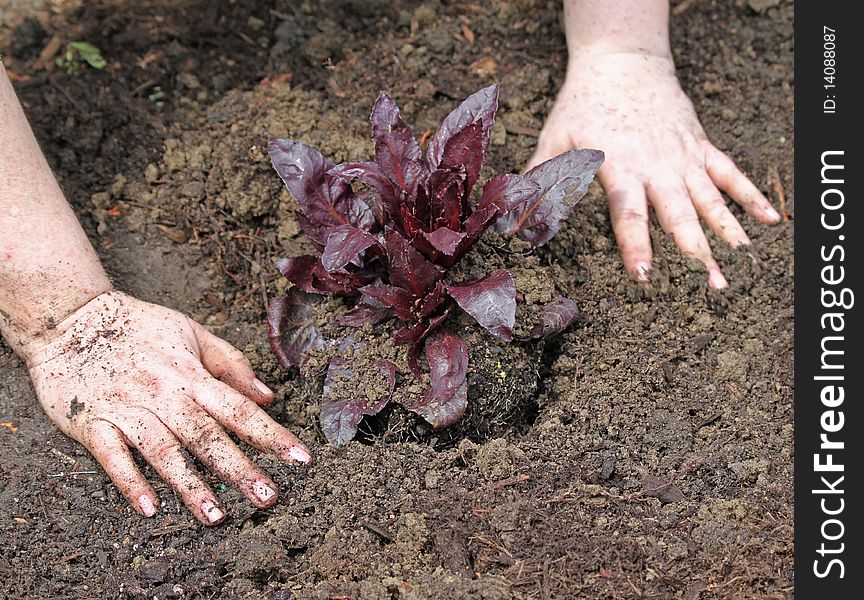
{"points": [[657, 461]]}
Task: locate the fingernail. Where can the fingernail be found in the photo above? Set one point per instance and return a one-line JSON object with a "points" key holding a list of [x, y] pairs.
{"points": [[261, 387], [300, 455], [263, 491], [213, 513], [716, 280], [642, 269], [146, 506], [772, 214]]}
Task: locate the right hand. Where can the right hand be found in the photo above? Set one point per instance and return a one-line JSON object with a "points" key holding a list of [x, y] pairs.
{"points": [[631, 106], [121, 373]]}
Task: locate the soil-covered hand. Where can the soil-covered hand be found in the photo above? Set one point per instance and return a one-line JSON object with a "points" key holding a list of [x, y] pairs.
{"points": [[631, 106], [121, 373]]}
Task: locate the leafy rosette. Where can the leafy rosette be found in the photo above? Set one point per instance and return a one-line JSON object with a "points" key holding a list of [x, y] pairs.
{"points": [[393, 246]]}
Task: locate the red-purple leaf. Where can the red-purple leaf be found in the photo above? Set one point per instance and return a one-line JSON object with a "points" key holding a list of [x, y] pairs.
{"points": [[292, 326], [466, 148], [325, 201], [364, 314], [411, 226], [563, 181], [501, 194], [444, 240], [340, 411], [556, 316], [396, 151], [491, 301], [370, 173], [344, 244], [506, 192], [386, 118], [420, 331], [307, 273], [408, 268], [433, 300], [447, 397], [445, 199], [480, 106], [397, 298]]}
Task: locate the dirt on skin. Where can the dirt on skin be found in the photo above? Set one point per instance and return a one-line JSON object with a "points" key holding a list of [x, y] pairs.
{"points": [[658, 460]]}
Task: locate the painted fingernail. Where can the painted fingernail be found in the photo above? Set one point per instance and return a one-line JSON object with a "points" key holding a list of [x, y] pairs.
{"points": [[261, 387], [642, 269], [772, 214], [213, 513], [146, 506], [716, 279], [263, 491], [300, 455]]}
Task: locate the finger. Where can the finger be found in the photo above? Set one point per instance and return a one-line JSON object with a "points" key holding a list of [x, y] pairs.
{"points": [[731, 180], [547, 148], [161, 449], [106, 445], [540, 156], [712, 208], [226, 363], [251, 424], [204, 438], [678, 217], [628, 209]]}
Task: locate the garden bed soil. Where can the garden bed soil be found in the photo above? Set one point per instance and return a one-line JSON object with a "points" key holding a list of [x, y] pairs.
{"points": [[655, 459]]}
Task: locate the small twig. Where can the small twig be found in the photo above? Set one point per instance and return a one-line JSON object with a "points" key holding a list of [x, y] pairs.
{"points": [[264, 296], [505, 482], [683, 7], [63, 456], [65, 93], [708, 421], [51, 48], [425, 136], [560, 501], [140, 88], [245, 38], [377, 530], [776, 185], [526, 131], [65, 474], [74, 555]]}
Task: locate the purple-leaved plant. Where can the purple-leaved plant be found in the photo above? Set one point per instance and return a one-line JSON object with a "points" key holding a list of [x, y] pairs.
{"points": [[391, 249]]}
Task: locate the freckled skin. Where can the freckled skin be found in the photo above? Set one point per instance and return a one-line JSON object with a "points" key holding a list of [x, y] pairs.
{"points": [[170, 399]]}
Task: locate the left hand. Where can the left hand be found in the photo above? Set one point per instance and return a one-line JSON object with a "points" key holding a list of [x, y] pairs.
{"points": [[631, 106]]}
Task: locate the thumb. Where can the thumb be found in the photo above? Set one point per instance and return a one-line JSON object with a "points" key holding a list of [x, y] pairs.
{"points": [[546, 149], [227, 364]]}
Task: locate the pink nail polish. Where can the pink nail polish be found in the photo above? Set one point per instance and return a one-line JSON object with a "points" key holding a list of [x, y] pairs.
{"points": [[716, 280], [261, 387], [146, 506], [263, 491], [642, 269], [300, 455], [772, 214], [212, 512]]}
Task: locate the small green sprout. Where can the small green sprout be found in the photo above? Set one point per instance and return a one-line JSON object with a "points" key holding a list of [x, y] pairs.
{"points": [[78, 53]]}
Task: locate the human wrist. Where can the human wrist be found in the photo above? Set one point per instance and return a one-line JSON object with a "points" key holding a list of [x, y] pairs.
{"points": [[28, 329], [604, 27]]}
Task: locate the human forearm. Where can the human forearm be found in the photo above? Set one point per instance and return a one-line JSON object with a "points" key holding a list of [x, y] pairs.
{"points": [[611, 26], [48, 268]]}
